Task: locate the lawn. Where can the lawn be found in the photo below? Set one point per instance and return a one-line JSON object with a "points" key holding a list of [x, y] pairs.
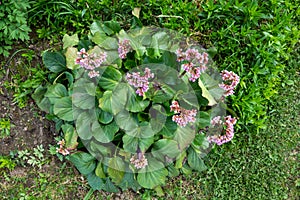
{"points": [[259, 40]]}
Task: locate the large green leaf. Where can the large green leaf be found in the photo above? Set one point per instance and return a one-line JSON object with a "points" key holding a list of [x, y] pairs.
{"points": [[113, 26], [84, 94], [70, 41], [40, 99], [165, 147], [165, 93], [95, 182], [135, 44], [135, 103], [169, 128], [105, 117], [154, 174], [180, 160], [210, 88], [104, 41], [143, 130], [195, 161], [131, 144], [116, 169], [200, 143], [160, 41], [109, 186], [99, 170], [84, 162], [105, 101], [114, 101], [184, 136], [110, 78], [129, 181], [84, 124], [125, 121], [70, 136], [99, 150], [56, 91], [54, 61], [203, 120], [104, 133], [158, 117], [63, 108], [97, 26], [71, 55]]}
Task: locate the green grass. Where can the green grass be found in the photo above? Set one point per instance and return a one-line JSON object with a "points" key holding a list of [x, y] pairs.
{"points": [[260, 41]]}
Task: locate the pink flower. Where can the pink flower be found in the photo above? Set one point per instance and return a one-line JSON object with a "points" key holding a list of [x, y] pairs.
{"points": [[140, 82], [90, 61], [124, 48], [229, 131], [182, 116], [139, 161], [61, 148], [230, 81], [194, 62]]}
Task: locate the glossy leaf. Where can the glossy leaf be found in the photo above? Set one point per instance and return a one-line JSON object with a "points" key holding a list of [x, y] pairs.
{"points": [[165, 147], [99, 170], [104, 133], [184, 136], [125, 121], [153, 175], [135, 103], [83, 125], [105, 117], [54, 61], [95, 182], [55, 92], [84, 162], [63, 108], [195, 161], [110, 78], [131, 144], [116, 169], [70, 136]]}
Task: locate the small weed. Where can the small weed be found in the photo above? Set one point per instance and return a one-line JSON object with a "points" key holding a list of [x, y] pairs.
{"points": [[35, 158], [5, 127], [7, 162]]}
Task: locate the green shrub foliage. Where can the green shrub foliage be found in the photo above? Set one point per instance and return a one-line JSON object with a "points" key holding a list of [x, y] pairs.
{"points": [[13, 23]]}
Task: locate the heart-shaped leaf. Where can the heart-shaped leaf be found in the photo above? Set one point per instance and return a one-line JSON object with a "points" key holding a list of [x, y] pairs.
{"points": [[153, 174]]}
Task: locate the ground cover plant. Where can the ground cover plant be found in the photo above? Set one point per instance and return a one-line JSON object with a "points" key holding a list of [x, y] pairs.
{"points": [[138, 102], [258, 40]]}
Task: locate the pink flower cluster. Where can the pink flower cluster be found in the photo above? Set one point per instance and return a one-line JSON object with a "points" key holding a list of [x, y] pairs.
{"points": [[230, 81], [194, 62], [139, 161], [229, 132], [182, 116], [140, 82], [61, 148], [124, 48], [90, 61]]}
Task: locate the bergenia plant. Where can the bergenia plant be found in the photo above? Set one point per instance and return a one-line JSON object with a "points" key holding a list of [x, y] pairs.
{"points": [[134, 108]]}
